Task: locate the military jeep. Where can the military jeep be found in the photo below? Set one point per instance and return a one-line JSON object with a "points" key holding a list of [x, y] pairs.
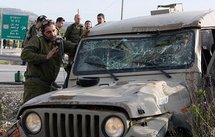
{"points": [[131, 78]]}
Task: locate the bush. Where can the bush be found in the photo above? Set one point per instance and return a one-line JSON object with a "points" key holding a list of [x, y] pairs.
{"points": [[203, 114]]}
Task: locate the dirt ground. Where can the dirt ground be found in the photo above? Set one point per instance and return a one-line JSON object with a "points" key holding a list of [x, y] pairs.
{"points": [[10, 101]]}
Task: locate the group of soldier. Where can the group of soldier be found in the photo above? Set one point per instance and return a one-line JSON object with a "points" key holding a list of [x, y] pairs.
{"points": [[43, 50], [73, 33]]}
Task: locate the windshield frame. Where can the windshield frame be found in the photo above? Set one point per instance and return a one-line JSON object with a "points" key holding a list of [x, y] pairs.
{"points": [[77, 71]]}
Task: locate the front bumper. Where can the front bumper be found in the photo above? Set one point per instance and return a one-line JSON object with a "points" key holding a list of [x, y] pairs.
{"points": [[156, 126]]}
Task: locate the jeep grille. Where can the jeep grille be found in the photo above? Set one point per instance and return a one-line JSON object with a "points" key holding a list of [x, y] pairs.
{"points": [[58, 122]]}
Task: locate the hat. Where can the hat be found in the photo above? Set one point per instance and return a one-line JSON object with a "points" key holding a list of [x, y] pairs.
{"points": [[60, 19], [41, 18]]}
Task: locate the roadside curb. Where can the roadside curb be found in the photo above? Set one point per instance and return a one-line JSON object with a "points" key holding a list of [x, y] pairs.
{"points": [[11, 83]]}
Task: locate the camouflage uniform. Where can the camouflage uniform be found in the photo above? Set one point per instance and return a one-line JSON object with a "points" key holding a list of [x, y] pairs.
{"points": [[40, 72], [74, 32]]}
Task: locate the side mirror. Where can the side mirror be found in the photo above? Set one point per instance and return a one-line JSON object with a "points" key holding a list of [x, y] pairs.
{"points": [[87, 81]]}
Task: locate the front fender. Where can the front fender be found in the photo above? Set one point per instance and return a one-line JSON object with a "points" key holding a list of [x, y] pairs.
{"points": [[15, 131], [155, 127]]}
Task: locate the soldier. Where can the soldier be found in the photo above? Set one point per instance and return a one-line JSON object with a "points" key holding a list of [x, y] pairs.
{"points": [[33, 30], [87, 24], [87, 27], [100, 18], [74, 31], [59, 24], [44, 56]]}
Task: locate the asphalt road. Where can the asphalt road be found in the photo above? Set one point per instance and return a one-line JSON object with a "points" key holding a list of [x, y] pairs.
{"points": [[7, 73]]}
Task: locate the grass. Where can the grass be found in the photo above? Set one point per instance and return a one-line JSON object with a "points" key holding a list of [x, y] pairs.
{"points": [[203, 113]]}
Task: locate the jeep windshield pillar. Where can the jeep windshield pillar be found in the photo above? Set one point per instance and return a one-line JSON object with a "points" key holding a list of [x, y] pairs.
{"points": [[138, 80]]}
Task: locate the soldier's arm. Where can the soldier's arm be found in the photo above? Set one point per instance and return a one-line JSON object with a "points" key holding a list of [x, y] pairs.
{"points": [[67, 33], [31, 52]]}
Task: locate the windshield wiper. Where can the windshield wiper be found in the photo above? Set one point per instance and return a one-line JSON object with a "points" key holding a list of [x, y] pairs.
{"points": [[165, 73], [155, 66], [101, 65], [149, 64]]}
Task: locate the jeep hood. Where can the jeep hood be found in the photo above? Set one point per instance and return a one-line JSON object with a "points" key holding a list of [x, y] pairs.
{"points": [[136, 98]]}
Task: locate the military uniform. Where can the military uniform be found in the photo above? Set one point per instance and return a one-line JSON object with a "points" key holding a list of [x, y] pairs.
{"points": [[74, 32], [32, 32], [40, 72], [60, 32]]}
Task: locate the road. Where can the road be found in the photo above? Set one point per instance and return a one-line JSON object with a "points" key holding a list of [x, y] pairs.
{"points": [[7, 73], [11, 51]]}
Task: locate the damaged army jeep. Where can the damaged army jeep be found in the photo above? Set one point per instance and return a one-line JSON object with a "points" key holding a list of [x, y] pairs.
{"points": [[130, 78]]}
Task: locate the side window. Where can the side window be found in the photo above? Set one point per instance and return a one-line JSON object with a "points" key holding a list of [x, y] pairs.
{"points": [[213, 47], [211, 65], [207, 44]]}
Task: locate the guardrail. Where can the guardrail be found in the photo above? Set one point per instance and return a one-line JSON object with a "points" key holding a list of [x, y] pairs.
{"points": [[10, 57]]}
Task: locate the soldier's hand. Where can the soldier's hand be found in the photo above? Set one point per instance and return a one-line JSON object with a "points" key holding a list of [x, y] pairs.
{"points": [[52, 52]]}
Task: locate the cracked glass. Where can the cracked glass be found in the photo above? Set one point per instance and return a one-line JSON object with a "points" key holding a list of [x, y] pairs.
{"points": [[170, 50]]}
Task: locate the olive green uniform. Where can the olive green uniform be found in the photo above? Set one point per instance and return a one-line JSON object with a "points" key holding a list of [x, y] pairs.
{"points": [[41, 72], [32, 32], [60, 32], [74, 32]]}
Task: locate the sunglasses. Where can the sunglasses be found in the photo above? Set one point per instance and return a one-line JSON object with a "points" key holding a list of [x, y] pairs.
{"points": [[48, 21], [42, 18]]}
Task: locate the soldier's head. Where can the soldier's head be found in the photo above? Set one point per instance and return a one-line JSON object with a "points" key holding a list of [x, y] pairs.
{"points": [[77, 19], [88, 24], [60, 22], [41, 18], [100, 18], [39, 21], [49, 30]]}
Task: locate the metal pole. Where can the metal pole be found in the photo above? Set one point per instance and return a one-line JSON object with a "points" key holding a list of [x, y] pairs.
{"points": [[122, 9]]}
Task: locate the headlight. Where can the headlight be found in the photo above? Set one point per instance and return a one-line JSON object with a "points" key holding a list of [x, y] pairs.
{"points": [[33, 122], [114, 127]]}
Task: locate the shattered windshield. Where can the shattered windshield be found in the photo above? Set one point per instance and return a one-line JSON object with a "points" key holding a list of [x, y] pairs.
{"points": [[130, 54]]}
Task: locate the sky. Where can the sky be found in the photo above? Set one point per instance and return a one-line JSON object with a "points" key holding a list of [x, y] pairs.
{"points": [[88, 9]]}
